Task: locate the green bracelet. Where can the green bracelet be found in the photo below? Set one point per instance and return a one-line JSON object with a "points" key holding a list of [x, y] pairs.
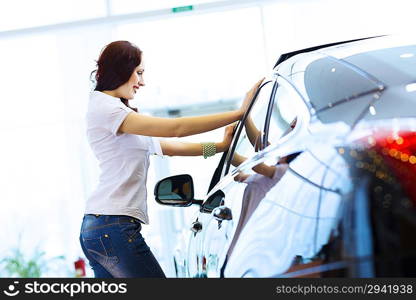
{"points": [[208, 149]]}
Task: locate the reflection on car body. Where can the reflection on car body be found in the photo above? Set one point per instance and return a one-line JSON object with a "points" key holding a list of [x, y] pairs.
{"points": [[344, 205]]}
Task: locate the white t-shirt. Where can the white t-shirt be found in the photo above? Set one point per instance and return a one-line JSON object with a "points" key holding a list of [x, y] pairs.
{"points": [[123, 159]]}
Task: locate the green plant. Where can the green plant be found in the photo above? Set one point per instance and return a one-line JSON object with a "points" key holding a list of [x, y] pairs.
{"points": [[16, 265]]}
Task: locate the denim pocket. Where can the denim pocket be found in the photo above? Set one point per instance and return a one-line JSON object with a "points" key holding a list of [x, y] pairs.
{"points": [[131, 233], [101, 249]]}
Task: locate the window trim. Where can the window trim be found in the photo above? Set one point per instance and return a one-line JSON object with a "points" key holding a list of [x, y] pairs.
{"points": [[269, 114]]}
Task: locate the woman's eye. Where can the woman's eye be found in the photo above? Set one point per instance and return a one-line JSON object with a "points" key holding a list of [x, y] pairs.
{"points": [[140, 73]]}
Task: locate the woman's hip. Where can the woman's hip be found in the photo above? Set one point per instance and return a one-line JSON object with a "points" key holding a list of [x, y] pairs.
{"points": [[115, 242]]}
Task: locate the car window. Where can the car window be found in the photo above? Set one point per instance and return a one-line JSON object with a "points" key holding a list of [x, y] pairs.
{"points": [[273, 116], [283, 114], [252, 131], [220, 170]]}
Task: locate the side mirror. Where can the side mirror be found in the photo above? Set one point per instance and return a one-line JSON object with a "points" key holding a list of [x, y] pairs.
{"points": [[176, 191]]}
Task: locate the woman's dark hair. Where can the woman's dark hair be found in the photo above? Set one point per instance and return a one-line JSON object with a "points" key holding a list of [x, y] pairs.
{"points": [[115, 65]]}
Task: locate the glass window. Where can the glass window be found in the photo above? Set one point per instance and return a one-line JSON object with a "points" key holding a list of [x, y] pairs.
{"points": [[284, 114], [403, 98], [391, 65], [249, 140], [347, 112], [395, 67], [282, 120]]}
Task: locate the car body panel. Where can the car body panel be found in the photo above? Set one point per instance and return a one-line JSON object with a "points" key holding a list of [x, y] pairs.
{"points": [[351, 181]]}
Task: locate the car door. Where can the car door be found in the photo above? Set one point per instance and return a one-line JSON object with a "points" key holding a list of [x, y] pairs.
{"points": [[204, 258], [297, 215], [220, 234]]}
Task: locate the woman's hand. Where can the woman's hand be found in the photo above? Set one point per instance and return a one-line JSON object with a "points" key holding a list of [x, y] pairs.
{"points": [[228, 136], [249, 97], [241, 177]]}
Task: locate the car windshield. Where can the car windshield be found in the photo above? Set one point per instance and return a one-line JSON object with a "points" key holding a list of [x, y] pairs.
{"points": [[337, 92], [340, 91]]}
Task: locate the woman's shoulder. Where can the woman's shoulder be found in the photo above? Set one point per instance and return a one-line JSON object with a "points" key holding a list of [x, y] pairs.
{"points": [[97, 95], [101, 102]]}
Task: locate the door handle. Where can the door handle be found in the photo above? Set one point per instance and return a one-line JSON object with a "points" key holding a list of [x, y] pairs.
{"points": [[196, 227]]}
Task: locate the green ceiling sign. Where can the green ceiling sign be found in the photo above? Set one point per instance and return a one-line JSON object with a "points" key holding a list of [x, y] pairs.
{"points": [[182, 9]]}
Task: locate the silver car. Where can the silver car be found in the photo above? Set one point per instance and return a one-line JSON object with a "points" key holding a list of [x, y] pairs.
{"points": [[320, 177]]}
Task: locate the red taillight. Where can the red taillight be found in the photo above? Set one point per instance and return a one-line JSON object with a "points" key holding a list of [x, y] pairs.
{"points": [[398, 151]]}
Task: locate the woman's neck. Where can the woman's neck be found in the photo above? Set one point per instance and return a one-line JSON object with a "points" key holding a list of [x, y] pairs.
{"points": [[112, 93]]}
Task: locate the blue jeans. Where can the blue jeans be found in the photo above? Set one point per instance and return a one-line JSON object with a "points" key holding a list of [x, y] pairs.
{"points": [[115, 247]]}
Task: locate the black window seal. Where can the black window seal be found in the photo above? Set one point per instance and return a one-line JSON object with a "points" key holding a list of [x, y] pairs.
{"points": [[269, 115], [217, 173]]}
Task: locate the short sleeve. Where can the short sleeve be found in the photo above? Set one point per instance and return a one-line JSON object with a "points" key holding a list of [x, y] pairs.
{"points": [[115, 118], [109, 113], [155, 147]]}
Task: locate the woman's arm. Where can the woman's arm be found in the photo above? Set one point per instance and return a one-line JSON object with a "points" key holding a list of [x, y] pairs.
{"points": [[261, 168], [175, 148], [139, 124], [254, 135]]}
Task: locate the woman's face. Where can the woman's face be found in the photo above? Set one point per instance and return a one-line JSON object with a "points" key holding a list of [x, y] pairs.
{"points": [[129, 89]]}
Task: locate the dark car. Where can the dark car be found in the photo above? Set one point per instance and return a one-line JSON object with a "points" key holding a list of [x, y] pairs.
{"points": [[320, 179]]}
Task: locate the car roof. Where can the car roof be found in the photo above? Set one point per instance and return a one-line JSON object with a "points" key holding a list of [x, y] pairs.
{"points": [[332, 75], [372, 55], [286, 56]]}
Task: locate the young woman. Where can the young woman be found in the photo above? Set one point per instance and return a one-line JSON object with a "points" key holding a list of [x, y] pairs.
{"points": [[122, 141]]}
